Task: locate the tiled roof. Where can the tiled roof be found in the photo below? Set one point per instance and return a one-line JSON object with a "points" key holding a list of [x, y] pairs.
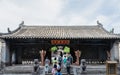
{"points": [[61, 32]]}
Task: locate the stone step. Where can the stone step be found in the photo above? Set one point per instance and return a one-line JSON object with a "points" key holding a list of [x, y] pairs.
{"points": [[62, 74], [17, 68], [20, 69], [63, 70], [15, 74], [28, 69]]}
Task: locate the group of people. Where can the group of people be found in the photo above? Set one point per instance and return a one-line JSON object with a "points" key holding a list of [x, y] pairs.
{"points": [[59, 63]]}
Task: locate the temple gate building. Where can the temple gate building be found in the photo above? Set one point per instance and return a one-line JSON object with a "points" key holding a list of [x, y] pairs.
{"points": [[27, 43]]}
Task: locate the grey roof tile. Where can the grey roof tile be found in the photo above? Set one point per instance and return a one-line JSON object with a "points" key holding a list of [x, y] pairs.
{"points": [[61, 32]]}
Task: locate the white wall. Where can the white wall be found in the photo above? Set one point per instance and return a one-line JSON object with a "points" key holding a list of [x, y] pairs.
{"points": [[119, 52], [0, 49], [115, 51]]}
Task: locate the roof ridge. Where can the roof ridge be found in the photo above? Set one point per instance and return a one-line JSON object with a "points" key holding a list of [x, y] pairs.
{"points": [[57, 25], [60, 27]]}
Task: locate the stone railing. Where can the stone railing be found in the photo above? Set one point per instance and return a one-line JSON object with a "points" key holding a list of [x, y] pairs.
{"points": [[95, 61]]}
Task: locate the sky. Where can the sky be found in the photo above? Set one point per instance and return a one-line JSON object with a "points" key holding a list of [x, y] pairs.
{"points": [[59, 12]]}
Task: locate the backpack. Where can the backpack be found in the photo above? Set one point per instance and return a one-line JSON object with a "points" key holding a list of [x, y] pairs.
{"points": [[64, 60]]}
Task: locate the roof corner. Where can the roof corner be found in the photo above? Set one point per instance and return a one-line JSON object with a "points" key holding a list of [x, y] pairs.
{"points": [[21, 24], [99, 24]]}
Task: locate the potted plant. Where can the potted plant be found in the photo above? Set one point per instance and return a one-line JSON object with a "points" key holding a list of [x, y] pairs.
{"points": [[54, 48], [66, 49]]}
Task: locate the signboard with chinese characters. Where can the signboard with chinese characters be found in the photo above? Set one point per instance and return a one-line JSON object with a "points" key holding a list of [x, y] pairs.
{"points": [[57, 42]]}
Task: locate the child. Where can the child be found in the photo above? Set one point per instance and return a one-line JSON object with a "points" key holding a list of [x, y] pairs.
{"points": [[54, 70], [58, 67]]}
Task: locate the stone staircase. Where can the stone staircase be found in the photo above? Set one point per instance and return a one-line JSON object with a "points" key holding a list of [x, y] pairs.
{"points": [[63, 71], [91, 70], [75, 70], [21, 69]]}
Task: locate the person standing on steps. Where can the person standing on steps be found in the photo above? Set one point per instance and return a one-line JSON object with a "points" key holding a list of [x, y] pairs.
{"points": [[60, 60], [68, 66], [58, 67], [70, 58], [54, 69]]}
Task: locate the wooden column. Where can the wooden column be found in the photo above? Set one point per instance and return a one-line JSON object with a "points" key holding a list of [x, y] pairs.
{"points": [[42, 55], [77, 54], [108, 55]]}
